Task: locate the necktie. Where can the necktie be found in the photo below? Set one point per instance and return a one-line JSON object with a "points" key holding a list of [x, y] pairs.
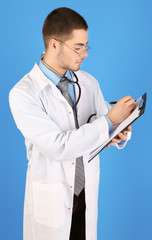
{"points": [[79, 172]]}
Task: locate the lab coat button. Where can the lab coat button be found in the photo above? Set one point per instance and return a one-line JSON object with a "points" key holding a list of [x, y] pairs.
{"points": [[70, 186], [73, 163], [69, 208], [70, 112]]}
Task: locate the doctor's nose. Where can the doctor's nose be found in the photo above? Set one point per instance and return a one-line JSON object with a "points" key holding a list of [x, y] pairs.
{"points": [[84, 54]]}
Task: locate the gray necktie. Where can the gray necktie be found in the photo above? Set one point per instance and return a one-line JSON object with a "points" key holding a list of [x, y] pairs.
{"points": [[79, 172]]}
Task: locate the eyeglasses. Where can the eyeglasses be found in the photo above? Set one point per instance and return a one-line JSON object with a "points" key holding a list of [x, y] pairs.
{"points": [[79, 53]]}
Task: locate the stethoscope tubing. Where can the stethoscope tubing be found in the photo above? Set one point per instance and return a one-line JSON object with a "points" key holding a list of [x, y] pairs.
{"points": [[78, 85]]}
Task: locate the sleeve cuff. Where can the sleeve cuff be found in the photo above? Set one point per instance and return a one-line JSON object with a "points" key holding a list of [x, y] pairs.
{"points": [[109, 123]]}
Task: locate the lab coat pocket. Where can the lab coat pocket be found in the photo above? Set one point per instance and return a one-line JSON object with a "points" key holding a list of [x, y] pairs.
{"points": [[48, 204]]}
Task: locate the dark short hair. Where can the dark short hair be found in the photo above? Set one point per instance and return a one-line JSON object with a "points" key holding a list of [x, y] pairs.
{"points": [[60, 23]]}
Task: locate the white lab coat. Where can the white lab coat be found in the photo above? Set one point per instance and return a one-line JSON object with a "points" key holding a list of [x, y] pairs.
{"points": [[46, 120]]}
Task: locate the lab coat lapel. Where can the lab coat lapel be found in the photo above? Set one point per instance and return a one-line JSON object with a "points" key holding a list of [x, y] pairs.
{"points": [[42, 81]]}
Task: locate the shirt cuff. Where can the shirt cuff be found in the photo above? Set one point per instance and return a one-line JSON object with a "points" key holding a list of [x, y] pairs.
{"points": [[111, 129], [109, 123]]}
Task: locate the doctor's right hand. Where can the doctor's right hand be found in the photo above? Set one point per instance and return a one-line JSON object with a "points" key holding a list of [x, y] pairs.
{"points": [[121, 110]]}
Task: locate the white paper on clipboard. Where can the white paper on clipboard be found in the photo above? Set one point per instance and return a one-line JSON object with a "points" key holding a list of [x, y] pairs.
{"points": [[137, 112]]}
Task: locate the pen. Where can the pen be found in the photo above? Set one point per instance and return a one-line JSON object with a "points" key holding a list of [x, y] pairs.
{"points": [[112, 102], [115, 102]]}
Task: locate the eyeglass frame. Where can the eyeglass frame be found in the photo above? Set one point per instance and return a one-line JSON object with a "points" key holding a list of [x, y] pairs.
{"points": [[79, 54]]}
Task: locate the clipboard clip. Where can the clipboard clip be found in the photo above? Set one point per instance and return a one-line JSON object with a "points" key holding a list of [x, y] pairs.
{"points": [[142, 104]]}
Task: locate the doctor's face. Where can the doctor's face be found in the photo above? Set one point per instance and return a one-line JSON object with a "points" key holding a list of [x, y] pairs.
{"points": [[72, 52]]}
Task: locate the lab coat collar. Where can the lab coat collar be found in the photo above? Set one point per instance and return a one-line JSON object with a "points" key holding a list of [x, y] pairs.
{"points": [[53, 76], [42, 81], [39, 78]]}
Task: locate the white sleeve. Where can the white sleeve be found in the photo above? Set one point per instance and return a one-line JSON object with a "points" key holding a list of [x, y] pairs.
{"points": [[46, 135]]}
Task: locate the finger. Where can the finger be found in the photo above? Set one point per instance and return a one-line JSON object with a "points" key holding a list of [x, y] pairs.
{"points": [[109, 145], [129, 128], [125, 98], [125, 131], [122, 136], [130, 101], [114, 140], [131, 107]]}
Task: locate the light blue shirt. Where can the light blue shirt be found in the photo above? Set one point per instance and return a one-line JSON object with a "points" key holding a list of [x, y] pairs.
{"points": [[110, 124]]}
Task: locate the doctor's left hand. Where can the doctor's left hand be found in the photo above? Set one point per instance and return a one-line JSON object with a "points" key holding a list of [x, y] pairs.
{"points": [[122, 136]]}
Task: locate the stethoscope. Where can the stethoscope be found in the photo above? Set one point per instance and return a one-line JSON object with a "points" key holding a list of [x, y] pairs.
{"points": [[64, 78]]}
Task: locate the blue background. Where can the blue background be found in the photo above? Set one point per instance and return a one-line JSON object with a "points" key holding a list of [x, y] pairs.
{"points": [[120, 35]]}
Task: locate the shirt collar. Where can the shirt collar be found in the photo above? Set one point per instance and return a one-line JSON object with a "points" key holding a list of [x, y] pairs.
{"points": [[51, 75]]}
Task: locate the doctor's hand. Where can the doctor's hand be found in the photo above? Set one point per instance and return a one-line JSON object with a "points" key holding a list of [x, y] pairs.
{"points": [[121, 136], [121, 110]]}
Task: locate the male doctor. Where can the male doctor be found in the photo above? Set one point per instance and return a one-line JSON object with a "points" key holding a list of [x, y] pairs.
{"points": [[62, 185]]}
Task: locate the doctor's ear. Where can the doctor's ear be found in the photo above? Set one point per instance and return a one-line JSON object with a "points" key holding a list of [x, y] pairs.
{"points": [[53, 44]]}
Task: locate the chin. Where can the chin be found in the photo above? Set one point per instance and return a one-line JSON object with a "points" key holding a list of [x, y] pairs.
{"points": [[75, 69]]}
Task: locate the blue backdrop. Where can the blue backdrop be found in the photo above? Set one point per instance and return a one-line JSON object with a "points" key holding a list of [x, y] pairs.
{"points": [[120, 35]]}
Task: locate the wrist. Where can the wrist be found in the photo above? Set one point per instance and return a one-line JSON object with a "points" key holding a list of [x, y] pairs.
{"points": [[110, 118]]}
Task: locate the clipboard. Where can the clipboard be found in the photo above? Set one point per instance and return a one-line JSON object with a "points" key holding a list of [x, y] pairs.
{"points": [[138, 111]]}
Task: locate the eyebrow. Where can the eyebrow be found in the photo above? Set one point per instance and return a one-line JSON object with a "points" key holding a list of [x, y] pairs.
{"points": [[80, 44]]}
